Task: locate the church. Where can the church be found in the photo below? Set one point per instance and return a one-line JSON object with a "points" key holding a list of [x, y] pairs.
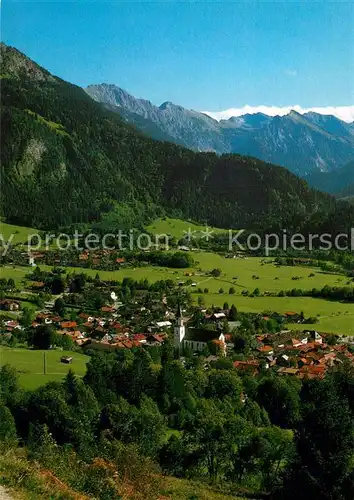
{"points": [[194, 338]]}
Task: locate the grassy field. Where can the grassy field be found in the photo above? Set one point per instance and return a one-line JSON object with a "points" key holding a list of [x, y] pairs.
{"points": [[20, 233], [334, 317], [18, 273], [29, 364], [178, 227]]}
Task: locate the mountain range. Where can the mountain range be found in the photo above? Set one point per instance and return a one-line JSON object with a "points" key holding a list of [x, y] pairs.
{"points": [[67, 160], [302, 143]]}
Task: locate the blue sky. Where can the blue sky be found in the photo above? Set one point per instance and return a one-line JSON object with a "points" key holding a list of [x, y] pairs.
{"points": [[205, 55]]}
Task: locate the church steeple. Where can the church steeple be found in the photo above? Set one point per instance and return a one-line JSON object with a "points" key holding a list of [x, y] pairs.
{"points": [[179, 330], [179, 310]]}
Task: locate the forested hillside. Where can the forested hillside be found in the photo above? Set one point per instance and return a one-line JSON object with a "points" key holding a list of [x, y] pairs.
{"points": [[336, 182], [67, 159]]}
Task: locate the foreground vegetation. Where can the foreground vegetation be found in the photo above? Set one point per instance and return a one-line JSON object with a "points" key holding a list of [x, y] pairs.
{"points": [[139, 415], [27, 480]]}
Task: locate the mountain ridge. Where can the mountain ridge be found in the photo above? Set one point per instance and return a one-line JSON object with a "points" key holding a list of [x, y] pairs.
{"points": [[66, 159], [303, 143]]}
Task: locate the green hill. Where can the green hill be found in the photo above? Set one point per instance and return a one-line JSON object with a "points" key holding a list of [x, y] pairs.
{"points": [[337, 182], [66, 159]]}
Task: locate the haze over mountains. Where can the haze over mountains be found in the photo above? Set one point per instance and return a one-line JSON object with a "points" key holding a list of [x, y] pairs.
{"points": [[304, 144]]}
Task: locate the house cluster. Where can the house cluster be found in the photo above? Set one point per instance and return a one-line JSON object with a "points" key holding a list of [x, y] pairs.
{"points": [[103, 332], [304, 356], [108, 330], [10, 326]]}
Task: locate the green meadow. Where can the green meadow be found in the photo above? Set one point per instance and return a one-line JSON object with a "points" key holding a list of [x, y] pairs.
{"points": [[20, 233], [18, 273], [30, 365], [177, 228], [333, 317]]}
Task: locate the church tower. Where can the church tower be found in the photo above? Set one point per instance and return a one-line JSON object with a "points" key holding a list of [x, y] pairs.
{"points": [[179, 330]]}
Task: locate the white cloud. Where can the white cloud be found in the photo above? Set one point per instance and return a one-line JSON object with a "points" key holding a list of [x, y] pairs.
{"points": [[345, 113], [291, 72]]}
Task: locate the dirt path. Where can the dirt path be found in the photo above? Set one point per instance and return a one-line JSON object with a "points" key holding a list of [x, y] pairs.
{"points": [[4, 495]]}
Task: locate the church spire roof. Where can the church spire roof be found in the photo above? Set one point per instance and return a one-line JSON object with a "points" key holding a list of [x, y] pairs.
{"points": [[179, 310]]}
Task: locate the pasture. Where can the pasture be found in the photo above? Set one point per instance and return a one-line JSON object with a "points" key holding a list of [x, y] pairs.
{"points": [[178, 228], [30, 365], [20, 233], [333, 317]]}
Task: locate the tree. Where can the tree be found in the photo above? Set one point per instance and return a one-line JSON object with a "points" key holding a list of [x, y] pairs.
{"points": [[243, 341], [324, 440], [255, 414], [48, 405], [57, 286], [9, 386], [7, 426], [277, 450], [281, 400], [142, 378], [172, 386], [63, 341], [150, 427], [232, 290], [26, 317], [42, 337], [233, 313], [40, 442], [173, 456], [201, 301], [244, 456], [223, 384], [225, 306], [84, 411], [11, 284], [59, 307], [198, 319], [127, 423]]}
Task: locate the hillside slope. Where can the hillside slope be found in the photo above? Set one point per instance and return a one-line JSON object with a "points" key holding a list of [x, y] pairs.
{"points": [[27, 480], [338, 182], [67, 159]]}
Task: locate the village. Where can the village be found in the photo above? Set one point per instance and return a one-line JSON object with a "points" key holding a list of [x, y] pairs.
{"points": [[132, 315]]}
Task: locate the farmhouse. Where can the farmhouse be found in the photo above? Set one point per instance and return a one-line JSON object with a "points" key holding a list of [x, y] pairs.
{"points": [[66, 359], [9, 305]]}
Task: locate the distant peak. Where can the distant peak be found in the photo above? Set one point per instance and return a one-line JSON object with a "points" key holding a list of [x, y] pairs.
{"points": [[294, 113], [167, 104]]}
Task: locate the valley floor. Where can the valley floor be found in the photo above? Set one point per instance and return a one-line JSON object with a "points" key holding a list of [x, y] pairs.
{"points": [[241, 274]]}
